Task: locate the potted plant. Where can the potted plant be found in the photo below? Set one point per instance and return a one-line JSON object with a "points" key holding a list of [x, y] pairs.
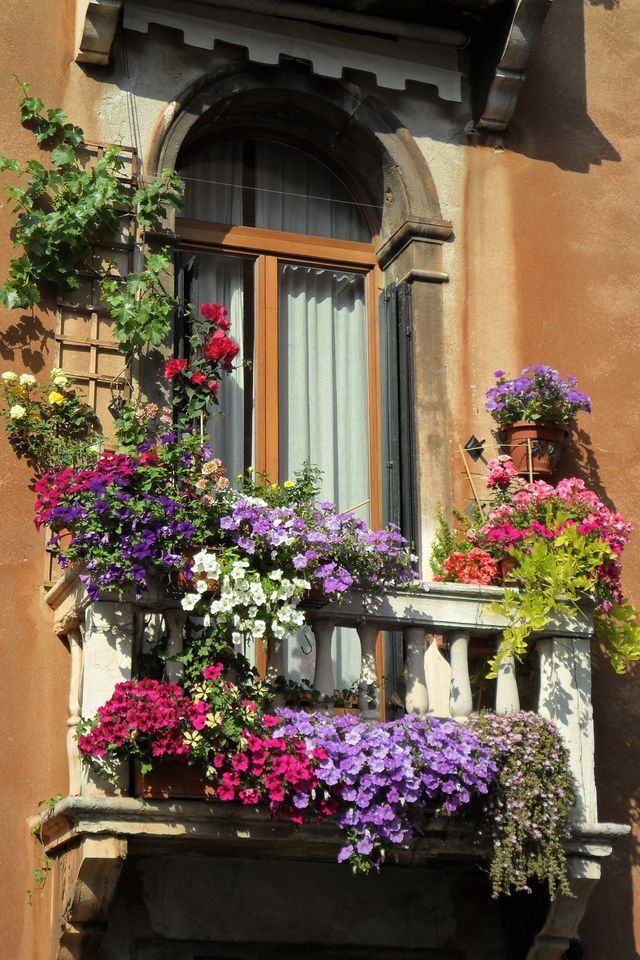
{"points": [[345, 701], [553, 547], [535, 413]]}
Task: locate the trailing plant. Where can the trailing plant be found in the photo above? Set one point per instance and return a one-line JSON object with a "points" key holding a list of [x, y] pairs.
{"points": [[42, 871], [64, 207], [48, 424], [528, 808]]}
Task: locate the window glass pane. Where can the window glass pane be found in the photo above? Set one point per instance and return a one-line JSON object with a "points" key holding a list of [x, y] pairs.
{"points": [[229, 280], [271, 185]]}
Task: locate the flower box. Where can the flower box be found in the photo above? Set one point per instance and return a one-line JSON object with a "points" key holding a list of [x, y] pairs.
{"points": [[172, 780]]}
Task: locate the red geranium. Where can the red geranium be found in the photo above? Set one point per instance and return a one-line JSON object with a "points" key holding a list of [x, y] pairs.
{"points": [[213, 387], [174, 367], [198, 378]]}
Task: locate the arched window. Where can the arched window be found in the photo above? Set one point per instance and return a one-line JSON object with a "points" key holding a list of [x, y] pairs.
{"points": [[276, 236]]}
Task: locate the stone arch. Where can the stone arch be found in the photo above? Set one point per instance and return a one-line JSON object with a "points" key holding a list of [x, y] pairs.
{"points": [[353, 133]]}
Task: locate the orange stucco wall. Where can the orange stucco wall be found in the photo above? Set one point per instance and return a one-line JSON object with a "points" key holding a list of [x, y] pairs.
{"points": [[543, 269], [33, 692], [551, 275]]}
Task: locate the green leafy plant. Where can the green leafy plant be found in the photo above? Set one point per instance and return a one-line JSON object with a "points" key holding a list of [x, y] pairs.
{"points": [[553, 579], [63, 207], [140, 305], [42, 871]]}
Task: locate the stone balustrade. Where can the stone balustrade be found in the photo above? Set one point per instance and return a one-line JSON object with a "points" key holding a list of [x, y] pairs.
{"points": [[440, 628]]}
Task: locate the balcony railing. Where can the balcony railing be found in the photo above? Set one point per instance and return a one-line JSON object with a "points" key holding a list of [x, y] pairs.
{"points": [[448, 617]]}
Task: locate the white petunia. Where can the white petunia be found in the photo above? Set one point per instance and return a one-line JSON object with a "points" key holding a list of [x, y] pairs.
{"points": [[189, 601]]}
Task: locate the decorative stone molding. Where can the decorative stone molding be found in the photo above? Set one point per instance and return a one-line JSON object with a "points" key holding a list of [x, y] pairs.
{"points": [[330, 52], [409, 236]]}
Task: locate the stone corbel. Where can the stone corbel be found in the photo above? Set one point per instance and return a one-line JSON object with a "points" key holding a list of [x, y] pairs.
{"points": [[504, 83], [96, 23], [588, 846], [90, 872]]}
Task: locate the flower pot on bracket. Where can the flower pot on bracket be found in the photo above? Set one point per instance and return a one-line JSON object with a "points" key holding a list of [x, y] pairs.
{"points": [[172, 779], [535, 447]]}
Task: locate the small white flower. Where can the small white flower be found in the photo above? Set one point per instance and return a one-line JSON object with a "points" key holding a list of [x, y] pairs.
{"points": [[27, 380], [9, 376], [275, 575], [17, 411], [56, 372], [259, 628], [189, 601], [61, 381], [202, 586]]}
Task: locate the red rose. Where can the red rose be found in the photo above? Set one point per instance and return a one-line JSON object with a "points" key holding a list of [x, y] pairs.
{"points": [[220, 348], [174, 367], [216, 313], [149, 456], [198, 378], [213, 387]]}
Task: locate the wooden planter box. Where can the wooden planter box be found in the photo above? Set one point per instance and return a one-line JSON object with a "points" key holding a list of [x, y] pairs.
{"points": [[172, 779]]}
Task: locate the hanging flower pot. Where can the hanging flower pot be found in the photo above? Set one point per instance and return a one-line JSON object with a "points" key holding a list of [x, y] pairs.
{"points": [[535, 447], [172, 779]]}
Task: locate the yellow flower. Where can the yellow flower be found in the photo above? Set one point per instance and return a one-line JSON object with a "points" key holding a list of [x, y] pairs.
{"points": [[274, 486], [55, 397], [289, 483]]}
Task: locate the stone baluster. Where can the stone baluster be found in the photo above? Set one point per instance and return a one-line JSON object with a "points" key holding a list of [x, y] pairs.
{"points": [[368, 689], [74, 639], [565, 699], [417, 697], [507, 696], [460, 700], [175, 620], [323, 680], [108, 654]]}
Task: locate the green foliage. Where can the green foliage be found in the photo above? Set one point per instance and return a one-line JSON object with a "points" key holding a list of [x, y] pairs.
{"points": [[618, 631], [140, 305], [62, 208], [49, 425], [42, 871], [450, 538], [553, 577], [527, 810]]}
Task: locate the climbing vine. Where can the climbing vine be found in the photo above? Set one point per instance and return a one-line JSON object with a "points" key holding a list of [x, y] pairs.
{"points": [[63, 207]]}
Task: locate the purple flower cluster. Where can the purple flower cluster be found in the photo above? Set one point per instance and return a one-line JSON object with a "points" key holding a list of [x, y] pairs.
{"points": [[539, 393], [337, 550], [388, 776]]}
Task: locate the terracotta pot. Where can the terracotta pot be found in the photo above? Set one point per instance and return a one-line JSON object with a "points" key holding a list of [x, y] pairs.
{"points": [[506, 566], [172, 779], [546, 442]]}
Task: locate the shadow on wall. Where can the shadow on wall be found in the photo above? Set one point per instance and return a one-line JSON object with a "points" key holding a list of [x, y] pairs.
{"points": [[26, 342], [551, 122]]}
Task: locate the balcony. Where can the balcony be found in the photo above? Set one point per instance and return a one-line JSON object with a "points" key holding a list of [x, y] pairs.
{"points": [[98, 825]]}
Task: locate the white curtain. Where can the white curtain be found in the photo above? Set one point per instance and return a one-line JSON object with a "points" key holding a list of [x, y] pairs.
{"points": [[213, 183]]}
